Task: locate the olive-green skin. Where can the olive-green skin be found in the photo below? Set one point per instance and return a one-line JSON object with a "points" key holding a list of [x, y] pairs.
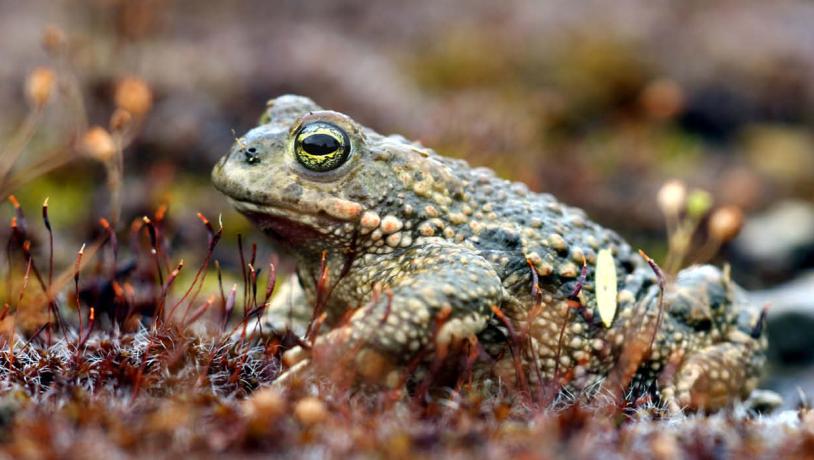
{"points": [[445, 237]]}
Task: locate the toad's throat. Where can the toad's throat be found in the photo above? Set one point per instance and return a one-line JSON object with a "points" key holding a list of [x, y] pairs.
{"points": [[285, 230], [286, 225]]}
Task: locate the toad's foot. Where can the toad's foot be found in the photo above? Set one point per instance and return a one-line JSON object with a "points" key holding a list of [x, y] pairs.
{"points": [[713, 377]]}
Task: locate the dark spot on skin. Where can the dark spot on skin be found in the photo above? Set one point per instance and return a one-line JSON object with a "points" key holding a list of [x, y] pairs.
{"points": [[703, 325], [493, 333], [628, 265], [508, 239], [498, 239]]}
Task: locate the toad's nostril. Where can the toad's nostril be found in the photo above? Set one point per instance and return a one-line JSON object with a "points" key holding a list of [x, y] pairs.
{"points": [[250, 155]]}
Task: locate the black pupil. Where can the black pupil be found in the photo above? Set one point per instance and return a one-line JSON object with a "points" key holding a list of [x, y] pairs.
{"points": [[320, 144]]}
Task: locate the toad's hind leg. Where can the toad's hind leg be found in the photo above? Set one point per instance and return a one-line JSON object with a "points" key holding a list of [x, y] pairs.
{"points": [[724, 359], [713, 377]]}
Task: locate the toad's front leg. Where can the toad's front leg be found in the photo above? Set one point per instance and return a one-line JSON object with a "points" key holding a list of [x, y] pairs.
{"points": [[433, 295]]}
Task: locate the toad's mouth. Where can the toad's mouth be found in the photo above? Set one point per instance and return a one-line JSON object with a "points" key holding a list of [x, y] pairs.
{"points": [[286, 224]]}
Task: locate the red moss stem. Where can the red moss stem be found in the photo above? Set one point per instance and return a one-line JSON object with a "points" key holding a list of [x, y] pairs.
{"points": [[91, 322], [114, 245], [151, 232], [243, 270], [514, 348], [47, 223], [200, 275], [162, 300], [311, 332], [77, 267], [660, 276], [271, 283]]}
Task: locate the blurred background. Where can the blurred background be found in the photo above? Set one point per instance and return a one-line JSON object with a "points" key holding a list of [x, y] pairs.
{"points": [[597, 102]]}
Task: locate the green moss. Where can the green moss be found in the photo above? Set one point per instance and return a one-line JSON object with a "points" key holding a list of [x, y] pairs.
{"points": [[69, 198]]}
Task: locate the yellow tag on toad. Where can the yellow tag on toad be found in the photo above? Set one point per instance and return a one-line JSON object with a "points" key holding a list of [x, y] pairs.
{"points": [[605, 282]]}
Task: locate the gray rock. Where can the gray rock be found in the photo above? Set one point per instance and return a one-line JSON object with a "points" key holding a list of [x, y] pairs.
{"points": [[763, 401], [778, 242], [790, 320]]}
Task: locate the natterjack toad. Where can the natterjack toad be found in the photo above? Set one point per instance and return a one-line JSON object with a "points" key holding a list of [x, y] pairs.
{"points": [[445, 238]]}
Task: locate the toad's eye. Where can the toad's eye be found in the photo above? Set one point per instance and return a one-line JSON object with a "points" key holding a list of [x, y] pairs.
{"points": [[321, 146]]}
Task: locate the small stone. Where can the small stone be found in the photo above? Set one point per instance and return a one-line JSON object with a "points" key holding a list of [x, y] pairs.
{"points": [[763, 401]]}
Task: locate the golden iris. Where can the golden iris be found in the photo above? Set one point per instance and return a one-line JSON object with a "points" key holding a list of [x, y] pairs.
{"points": [[321, 146]]}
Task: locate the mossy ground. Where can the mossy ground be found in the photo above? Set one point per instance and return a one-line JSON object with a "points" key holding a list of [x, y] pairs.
{"points": [[154, 370]]}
